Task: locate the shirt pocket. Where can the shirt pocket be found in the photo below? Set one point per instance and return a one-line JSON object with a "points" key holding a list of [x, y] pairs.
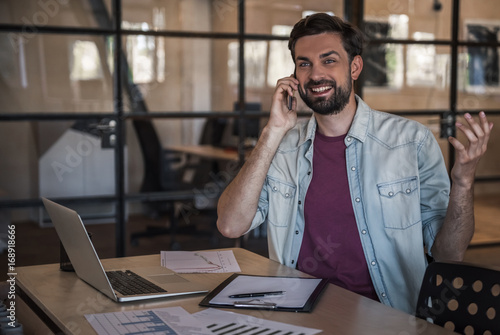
{"points": [[400, 203], [281, 200]]}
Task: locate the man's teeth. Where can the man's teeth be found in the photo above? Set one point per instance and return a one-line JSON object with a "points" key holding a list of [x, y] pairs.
{"points": [[320, 89]]}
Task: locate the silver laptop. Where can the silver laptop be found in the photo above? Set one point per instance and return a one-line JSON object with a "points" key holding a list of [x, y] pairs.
{"points": [[157, 281]]}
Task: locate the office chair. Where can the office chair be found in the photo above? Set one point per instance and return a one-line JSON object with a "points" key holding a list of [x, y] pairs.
{"points": [[461, 297], [164, 171]]}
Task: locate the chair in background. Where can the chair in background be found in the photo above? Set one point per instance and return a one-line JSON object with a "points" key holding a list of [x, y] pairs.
{"points": [[461, 297], [164, 170], [159, 175]]}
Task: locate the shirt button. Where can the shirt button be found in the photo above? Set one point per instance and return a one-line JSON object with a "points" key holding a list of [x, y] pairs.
{"points": [[408, 190], [353, 168], [374, 263], [287, 195], [357, 199], [363, 231], [391, 194], [349, 139], [383, 294], [275, 188]]}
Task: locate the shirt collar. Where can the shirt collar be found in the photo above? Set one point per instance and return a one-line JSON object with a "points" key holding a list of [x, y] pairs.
{"points": [[359, 126]]}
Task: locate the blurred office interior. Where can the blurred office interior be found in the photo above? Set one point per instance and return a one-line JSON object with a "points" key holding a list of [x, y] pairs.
{"points": [[138, 113]]}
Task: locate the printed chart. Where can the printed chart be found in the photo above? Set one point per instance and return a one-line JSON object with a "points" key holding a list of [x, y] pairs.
{"points": [[200, 261], [177, 321], [228, 323], [166, 321]]}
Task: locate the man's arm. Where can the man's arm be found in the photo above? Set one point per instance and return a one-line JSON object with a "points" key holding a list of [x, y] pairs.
{"points": [[458, 227], [239, 201]]}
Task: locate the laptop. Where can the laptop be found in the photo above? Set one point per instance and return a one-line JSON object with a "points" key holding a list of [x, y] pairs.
{"points": [[148, 282]]}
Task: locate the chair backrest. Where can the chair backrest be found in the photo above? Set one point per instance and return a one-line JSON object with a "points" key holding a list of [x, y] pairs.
{"points": [[461, 297]]}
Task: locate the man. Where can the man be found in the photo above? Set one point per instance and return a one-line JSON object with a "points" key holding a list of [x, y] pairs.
{"points": [[353, 195]]}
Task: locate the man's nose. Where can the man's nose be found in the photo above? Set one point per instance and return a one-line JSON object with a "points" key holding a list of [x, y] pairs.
{"points": [[317, 73]]}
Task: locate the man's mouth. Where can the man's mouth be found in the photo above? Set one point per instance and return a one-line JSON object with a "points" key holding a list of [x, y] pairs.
{"points": [[321, 89]]}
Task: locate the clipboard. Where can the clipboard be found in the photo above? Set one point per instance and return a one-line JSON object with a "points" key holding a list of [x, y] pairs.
{"points": [[298, 294]]}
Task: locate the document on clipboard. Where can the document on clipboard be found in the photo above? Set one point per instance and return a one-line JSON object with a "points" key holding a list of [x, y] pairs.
{"points": [[292, 294]]}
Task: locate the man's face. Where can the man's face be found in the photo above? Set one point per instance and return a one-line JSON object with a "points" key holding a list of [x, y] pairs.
{"points": [[324, 72]]}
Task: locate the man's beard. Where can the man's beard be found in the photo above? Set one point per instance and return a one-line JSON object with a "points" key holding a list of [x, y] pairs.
{"points": [[331, 106]]}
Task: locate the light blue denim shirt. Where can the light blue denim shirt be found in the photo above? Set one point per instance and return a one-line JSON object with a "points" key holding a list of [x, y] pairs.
{"points": [[399, 188]]}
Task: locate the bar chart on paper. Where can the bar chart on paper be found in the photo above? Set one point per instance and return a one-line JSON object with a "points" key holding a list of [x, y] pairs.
{"points": [[228, 323], [235, 328], [165, 321], [177, 321], [137, 322]]}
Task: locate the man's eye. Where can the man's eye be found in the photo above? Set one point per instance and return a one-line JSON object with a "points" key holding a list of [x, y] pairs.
{"points": [[303, 64], [329, 61]]}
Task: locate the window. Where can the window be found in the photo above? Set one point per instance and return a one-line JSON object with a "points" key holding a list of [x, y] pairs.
{"points": [[482, 72], [145, 54], [85, 63], [384, 63]]}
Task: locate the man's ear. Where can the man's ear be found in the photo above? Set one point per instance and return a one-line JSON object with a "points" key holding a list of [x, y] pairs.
{"points": [[356, 67]]}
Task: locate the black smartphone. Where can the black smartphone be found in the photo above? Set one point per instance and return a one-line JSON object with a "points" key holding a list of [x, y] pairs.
{"points": [[290, 97]]}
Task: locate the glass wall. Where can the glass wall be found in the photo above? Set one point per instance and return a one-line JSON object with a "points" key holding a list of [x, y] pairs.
{"points": [[82, 95]]}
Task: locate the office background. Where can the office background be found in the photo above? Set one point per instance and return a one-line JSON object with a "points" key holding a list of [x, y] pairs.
{"points": [[88, 89]]}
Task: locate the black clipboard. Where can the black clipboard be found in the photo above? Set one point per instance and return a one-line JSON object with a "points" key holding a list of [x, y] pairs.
{"points": [[315, 285]]}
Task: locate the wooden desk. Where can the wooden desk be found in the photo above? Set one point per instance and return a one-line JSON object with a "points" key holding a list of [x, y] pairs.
{"points": [[64, 299], [205, 151]]}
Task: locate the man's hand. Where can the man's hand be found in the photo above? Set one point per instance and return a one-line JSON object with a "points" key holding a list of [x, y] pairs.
{"points": [[458, 227], [282, 119], [468, 155]]}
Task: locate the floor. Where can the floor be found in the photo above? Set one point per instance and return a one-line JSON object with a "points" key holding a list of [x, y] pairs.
{"points": [[35, 245]]}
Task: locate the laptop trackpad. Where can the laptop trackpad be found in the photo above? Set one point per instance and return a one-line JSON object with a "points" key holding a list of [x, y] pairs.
{"points": [[166, 278]]}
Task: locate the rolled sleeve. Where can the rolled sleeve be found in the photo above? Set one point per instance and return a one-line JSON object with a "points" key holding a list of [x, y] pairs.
{"points": [[262, 210], [434, 188]]}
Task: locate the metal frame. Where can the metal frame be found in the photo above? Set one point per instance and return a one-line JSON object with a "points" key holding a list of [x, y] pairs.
{"points": [[353, 11]]}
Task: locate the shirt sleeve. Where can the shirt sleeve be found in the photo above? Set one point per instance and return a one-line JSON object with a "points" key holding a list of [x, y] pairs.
{"points": [[434, 188], [262, 209]]}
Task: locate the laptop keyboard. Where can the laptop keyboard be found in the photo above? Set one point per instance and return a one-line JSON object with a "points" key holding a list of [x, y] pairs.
{"points": [[129, 283]]}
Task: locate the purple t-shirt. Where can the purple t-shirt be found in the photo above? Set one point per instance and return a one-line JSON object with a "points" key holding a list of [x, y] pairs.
{"points": [[331, 247]]}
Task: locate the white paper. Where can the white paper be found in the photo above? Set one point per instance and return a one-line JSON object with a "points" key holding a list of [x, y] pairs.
{"points": [[230, 323], [171, 320], [200, 261], [297, 290]]}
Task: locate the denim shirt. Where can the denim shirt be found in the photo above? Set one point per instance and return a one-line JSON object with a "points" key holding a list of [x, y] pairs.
{"points": [[399, 188]]}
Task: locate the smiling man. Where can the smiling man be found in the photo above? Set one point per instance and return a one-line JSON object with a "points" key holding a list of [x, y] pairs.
{"points": [[352, 194]]}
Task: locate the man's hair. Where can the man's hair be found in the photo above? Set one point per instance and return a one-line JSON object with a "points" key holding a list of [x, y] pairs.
{"points": [[352, 38]]}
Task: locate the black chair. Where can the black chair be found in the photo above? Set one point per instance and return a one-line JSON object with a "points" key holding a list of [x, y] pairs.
{"points": [[164, 171], [461, 297]]}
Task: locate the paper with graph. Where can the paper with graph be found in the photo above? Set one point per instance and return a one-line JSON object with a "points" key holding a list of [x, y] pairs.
{"points": [[200, 261]]}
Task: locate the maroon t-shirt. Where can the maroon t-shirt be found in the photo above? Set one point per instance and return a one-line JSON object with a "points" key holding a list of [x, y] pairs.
{"points": [[331, 247]]}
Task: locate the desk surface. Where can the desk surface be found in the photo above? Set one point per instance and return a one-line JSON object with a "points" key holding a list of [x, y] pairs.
{"points": [[65, 300], [206, 151]]}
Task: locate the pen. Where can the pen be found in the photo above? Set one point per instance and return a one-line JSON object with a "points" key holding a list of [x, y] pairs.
{"points": [[256, 294]]}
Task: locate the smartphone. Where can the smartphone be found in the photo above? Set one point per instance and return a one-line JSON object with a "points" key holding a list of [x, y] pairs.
{"points": [[290, 97]]}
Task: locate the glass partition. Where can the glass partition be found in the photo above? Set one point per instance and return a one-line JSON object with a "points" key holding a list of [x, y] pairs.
{"points": [[81, 14], [262, 17], [180, 15], [407, 77], [414, 20], [59, 73], [170, 75]]}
